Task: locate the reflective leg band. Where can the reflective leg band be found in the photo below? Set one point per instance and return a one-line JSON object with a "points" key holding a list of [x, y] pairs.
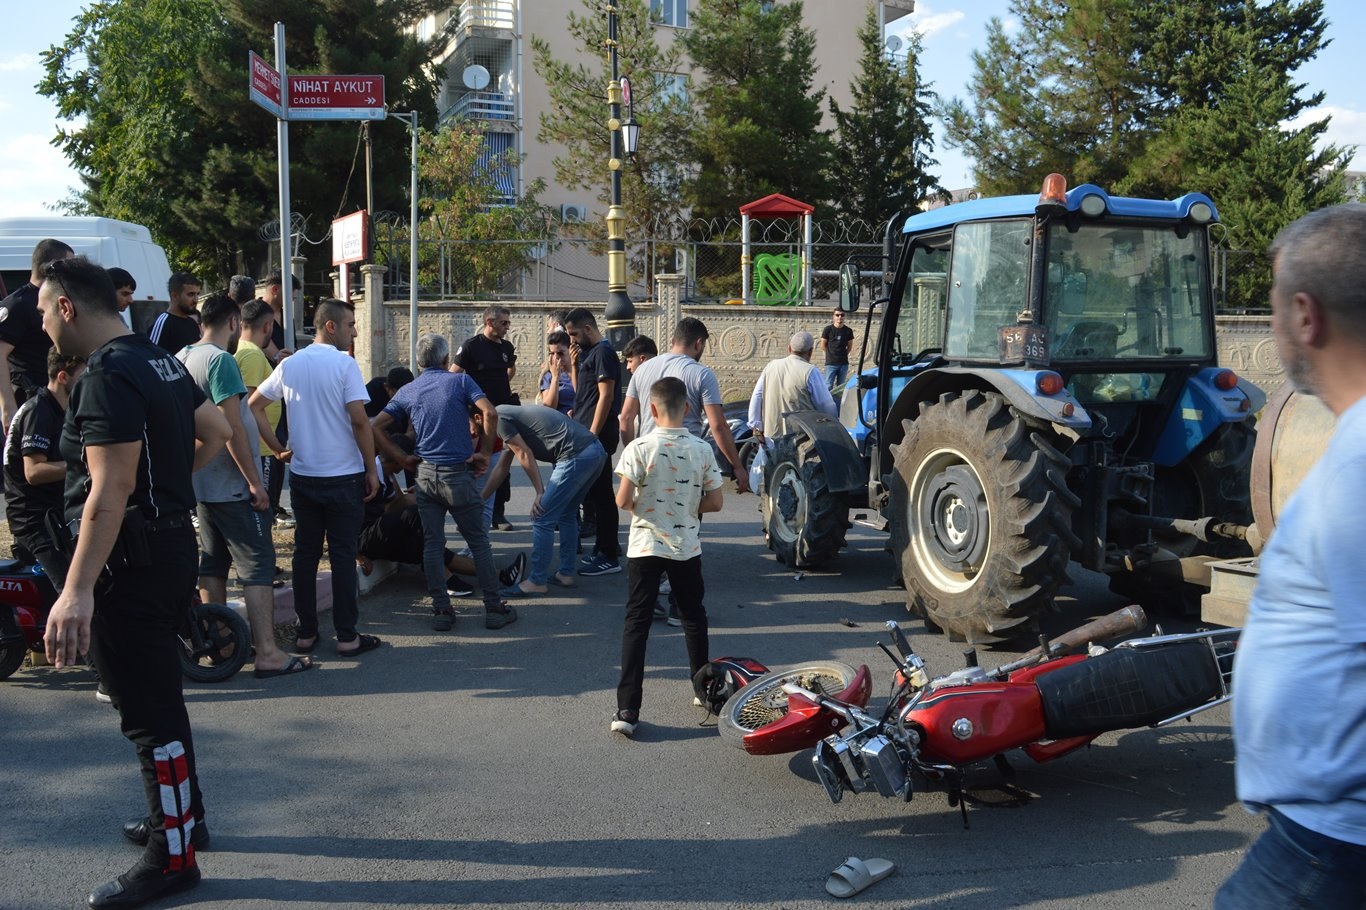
{"points": [[174, 777]]}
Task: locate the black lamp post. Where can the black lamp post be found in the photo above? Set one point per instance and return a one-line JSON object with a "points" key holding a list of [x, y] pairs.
{"points": [[620, 312]]}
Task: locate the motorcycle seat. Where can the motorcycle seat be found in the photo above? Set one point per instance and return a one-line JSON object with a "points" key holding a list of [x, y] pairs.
{"points": [[1127, 687], [8, 566]]}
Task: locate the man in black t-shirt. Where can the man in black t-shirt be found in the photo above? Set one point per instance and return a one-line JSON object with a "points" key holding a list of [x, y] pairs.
{"points": [[597, 405], [23, 343], [136, 426], [34, 470], [836, 340], [491, 361], [179, 325]]}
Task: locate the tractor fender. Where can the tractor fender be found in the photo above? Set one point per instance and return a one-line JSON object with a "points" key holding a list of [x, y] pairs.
{"points": [[840, 458], [1017, 386], [1202, 409]]}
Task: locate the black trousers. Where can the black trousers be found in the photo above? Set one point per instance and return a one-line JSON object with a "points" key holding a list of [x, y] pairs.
{"points": [[135, 648], [643, 574], [600, 505]]}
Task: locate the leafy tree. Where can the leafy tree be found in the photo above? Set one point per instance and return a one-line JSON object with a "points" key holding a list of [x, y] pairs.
{"points": [[760, 122], [455, 190], [1056, 93], [651, 184], [170, 139], [1157, 98], [885, 139], [1237, 147]]}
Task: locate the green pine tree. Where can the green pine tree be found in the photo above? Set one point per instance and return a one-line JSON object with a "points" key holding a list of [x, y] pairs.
{"points": [[759, 129], [883, 166]]}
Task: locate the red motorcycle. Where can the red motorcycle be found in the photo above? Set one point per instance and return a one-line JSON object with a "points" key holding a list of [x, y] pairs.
{"points": [[216, 641], [1049, 702]]}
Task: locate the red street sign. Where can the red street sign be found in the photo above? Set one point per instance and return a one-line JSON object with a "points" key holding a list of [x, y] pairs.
{"points": [[264, 84], [331, 97]]}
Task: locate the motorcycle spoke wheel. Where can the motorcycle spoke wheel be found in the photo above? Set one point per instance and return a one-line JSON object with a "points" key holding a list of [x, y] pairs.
{"points": [[764, 702]]}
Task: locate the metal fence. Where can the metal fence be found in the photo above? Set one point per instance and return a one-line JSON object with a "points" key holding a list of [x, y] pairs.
{"points": [[568, 263]]}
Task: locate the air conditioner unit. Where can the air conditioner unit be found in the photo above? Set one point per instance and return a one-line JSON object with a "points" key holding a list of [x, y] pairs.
{"points": [[573, 214]]}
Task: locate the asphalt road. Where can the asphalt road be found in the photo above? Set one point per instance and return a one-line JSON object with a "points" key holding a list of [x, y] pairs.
{"points": [[475, 768]]}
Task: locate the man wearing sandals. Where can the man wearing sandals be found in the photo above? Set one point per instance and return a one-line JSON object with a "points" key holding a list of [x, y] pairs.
{"points": [[233, 505], [332, 468]]}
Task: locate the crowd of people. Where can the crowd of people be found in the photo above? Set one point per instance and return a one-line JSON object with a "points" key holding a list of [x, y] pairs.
{"points": [[139, 468]]}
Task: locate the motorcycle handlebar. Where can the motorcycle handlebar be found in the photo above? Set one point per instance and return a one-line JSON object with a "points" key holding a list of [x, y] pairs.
{"points": [[1124, 621], [899, 638]]}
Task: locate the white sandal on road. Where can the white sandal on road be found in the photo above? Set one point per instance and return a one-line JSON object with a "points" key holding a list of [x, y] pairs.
{"points": [[857, 874]]}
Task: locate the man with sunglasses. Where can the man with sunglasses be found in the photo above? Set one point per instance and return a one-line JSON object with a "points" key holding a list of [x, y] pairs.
{"points": [[136, 427]]}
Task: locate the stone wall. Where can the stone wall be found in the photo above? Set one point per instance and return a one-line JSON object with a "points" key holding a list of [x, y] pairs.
{"points": [[743, 338]]}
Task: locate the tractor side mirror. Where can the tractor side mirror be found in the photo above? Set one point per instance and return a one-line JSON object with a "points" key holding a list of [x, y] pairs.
{"points": [[848, 287]]}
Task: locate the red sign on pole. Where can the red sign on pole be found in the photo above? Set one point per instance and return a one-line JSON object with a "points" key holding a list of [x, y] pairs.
{"points": [[265, 84], [329, 97]]}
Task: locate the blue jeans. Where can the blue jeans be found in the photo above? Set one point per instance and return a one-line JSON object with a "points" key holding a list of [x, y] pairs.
{"points": [[333, 507], [835, 375], [564, 493], [451, 489], [1291, 866]]}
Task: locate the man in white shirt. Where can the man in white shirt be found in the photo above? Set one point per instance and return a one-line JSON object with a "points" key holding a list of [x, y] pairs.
{"points": [[332, 470]]}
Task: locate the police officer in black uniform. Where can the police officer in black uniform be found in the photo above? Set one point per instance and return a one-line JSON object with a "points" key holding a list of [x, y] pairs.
{"points": [[136, 427]]}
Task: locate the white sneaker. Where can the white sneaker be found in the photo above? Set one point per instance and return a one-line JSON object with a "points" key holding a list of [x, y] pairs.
{"points": [[380, 569], [625, 723]]}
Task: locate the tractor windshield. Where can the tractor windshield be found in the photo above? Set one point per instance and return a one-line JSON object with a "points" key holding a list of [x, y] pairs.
{"points": [[1125, 292]]}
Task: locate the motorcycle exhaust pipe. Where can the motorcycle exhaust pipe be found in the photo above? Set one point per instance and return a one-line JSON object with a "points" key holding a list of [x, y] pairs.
{"points": [[1124, 621]]}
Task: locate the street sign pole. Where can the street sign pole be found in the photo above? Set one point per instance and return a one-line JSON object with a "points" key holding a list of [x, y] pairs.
{"points": [[282, 147]]}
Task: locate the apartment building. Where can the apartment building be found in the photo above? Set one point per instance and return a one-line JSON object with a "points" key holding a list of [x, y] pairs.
{"points": [[489, 78]]}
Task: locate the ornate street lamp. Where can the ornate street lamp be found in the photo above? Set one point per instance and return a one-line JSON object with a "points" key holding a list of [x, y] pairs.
{"points": [[620, 312]]}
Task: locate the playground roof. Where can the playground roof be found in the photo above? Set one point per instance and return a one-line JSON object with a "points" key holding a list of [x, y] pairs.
{"points": [[776, 205]]}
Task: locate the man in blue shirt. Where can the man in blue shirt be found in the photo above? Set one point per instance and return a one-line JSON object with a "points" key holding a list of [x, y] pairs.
{"points": [[438, 404], [1299, 707]]}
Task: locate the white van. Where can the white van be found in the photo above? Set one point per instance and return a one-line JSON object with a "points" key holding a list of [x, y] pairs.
{"points": [[106, 241]]}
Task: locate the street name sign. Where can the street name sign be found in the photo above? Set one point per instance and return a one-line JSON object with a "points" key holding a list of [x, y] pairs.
{"points": [[348, 238], [265, 84], [332, 97]]}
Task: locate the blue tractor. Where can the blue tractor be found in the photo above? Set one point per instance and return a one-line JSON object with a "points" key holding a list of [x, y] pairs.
{"points": [[1045, 391]]}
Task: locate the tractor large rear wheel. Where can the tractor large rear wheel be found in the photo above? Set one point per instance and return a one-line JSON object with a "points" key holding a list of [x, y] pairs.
{"points": [[986, 516], [805, 521]]}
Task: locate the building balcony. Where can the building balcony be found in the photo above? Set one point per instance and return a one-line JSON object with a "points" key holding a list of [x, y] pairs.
{"points": [[481, 106], [893, 10], [486, 14]]}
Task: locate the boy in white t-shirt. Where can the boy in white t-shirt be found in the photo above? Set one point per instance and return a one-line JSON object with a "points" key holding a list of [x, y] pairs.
{"points": [[668, 478]]}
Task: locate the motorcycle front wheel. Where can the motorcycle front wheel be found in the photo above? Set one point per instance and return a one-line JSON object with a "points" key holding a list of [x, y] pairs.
{"points": [[763, 701], [217, 646]]}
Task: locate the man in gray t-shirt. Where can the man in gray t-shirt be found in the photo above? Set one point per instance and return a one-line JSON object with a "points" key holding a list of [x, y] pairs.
{"points": [[233, 504], [704, 394], [533, 433]]}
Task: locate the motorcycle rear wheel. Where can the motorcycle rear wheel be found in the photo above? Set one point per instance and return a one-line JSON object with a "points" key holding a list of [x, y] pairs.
{"points": [[226, 644], [12, 654], [763, 701]]}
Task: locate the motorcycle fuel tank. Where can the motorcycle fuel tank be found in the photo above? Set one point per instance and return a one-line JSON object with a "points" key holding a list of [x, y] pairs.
{"points": [[969, 723]]}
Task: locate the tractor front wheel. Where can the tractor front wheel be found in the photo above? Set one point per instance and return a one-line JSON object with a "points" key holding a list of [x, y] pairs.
{"points": [[984, 515]]}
